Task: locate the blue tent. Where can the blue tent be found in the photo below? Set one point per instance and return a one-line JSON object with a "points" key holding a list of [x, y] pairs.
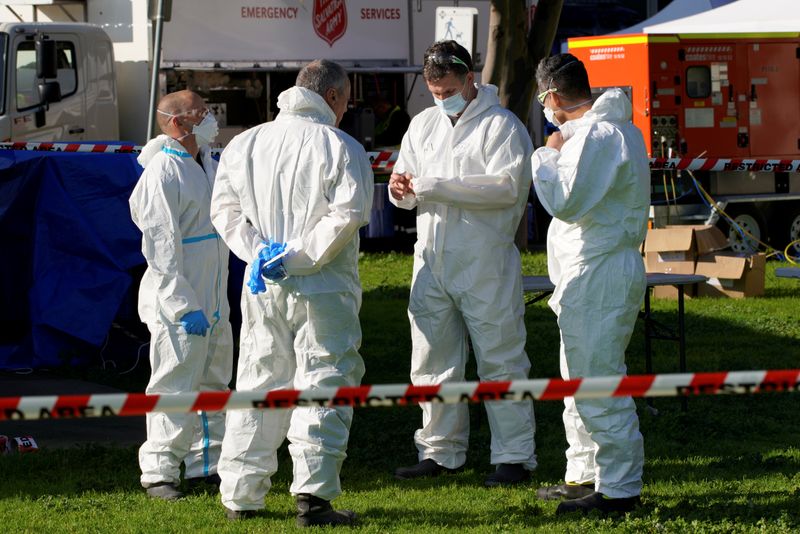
{"points": [[68, 247]]}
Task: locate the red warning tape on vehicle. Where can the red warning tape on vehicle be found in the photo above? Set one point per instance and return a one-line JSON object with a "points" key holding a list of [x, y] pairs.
{"points": [[381, 161], [385, 160], [666, 385]]}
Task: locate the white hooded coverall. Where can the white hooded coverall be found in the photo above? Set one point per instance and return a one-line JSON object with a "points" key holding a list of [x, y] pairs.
{"points": [[187, 270], [471, 182], [295, 179], [597, 188]]}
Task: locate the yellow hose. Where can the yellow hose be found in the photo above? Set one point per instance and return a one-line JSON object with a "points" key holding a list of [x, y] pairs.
{"points": [[791, 259], [769, 250]]}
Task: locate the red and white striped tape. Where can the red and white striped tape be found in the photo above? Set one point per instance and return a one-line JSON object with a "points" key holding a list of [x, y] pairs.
{"points": [[381, 161], [666, 385], [726, 164], [385, 160]]}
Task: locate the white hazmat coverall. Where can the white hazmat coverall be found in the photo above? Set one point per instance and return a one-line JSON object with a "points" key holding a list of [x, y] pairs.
{"points": [[187, 270], [597, 188], [295, 179], [471, 182]]}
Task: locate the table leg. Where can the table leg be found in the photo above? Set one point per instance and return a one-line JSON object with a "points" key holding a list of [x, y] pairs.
{"points": [[681, 342], [648, 354], [648, 348]]}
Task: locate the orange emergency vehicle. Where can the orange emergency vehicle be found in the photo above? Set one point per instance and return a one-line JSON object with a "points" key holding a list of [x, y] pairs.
{"points": [[713, 96]]}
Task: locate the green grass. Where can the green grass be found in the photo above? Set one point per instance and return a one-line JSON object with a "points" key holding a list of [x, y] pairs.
{"points": [[729, 464]]}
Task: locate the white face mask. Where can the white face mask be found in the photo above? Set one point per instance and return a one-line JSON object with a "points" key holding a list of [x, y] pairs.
{"points": [[206, 131], [452, 105], [550, 114]]}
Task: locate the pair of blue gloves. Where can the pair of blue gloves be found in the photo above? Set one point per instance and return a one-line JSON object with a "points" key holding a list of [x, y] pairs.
{"points": [[267, 266]]}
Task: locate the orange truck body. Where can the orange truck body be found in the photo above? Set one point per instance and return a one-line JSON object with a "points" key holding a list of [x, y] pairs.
{"points": [[698, 95], [722, 97]]}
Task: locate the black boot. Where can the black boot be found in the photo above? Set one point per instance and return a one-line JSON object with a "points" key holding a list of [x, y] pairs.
{"points": [[314, 512], [165, 491], [598, 501], [565, 491], [426, 468], [507, 475]]}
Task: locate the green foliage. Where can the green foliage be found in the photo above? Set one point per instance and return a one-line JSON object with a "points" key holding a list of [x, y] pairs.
{"points": [[728, 464]]}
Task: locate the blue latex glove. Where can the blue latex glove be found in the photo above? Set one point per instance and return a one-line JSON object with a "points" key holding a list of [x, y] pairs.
{"points": [[275, 270], [195, 323], [260, 270]]}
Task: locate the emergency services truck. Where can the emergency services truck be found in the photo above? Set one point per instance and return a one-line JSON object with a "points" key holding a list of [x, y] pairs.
{"points": [[59, 83], [729, 101]]}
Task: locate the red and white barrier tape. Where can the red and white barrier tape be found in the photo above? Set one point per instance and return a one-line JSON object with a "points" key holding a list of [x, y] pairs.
{"points": [[386, 159], [381, 161], [725, 164], [666, 385]]}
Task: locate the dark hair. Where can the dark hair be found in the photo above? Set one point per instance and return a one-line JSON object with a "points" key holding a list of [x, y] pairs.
{"points": [[443, 58], [566, 73]]}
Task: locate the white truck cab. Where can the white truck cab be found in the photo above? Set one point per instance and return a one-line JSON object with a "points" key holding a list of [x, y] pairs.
{"points": [[58, 83]]}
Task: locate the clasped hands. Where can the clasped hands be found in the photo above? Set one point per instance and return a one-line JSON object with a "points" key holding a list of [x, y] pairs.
{"points": [[269, 265], [400, 185]]}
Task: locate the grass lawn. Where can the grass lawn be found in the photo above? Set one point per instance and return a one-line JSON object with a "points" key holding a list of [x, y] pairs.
{"points": [[729, 464]]}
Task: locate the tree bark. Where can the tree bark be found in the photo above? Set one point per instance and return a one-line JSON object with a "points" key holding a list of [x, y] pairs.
{"points": [[512, 53]]}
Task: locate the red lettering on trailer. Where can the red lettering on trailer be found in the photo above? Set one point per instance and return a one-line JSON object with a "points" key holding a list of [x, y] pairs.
{"points": [[380, 13], [259, 12]]}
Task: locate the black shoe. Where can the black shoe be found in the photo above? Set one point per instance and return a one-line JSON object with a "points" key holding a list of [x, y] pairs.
{"points": [[235, 515], [565, 491], [211, 482], [507, 475], [426, 468], [315, 512], [598, 501], [165, 491]]}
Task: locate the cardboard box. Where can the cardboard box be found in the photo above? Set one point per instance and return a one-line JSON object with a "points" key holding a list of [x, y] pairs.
{"points": [[671, 292], [732, 275], [675, 249]]}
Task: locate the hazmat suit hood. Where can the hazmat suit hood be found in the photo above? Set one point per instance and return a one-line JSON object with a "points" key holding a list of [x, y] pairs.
{"points": [[300, 101], [612, 106], [152, 148], [486, 98], [158, 143]]}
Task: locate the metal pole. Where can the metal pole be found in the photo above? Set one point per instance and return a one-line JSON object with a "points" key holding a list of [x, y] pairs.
{"points": [[155, 67]]}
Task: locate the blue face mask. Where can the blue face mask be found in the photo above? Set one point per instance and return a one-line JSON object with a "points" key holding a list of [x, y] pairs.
{"points": [[452, 105]]}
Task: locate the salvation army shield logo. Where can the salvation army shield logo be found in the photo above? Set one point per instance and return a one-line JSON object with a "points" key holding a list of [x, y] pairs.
{"points": [[330, 19]]}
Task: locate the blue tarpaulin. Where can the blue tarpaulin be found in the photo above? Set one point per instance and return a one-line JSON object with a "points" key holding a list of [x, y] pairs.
{"points": [[71, 256], [68, 245]]}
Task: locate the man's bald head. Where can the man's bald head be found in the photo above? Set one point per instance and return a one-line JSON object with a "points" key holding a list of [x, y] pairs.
{"points": [[175, 104]]}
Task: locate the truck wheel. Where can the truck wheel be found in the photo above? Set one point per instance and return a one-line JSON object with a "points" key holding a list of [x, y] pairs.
{"points": [[794, 235], [753, 225]]}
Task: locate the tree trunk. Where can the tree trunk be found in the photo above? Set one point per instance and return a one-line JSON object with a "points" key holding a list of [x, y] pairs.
{"points": [[512, 53]]}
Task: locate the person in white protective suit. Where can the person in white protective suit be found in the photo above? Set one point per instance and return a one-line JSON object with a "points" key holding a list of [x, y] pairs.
{"points": [[465, 165], [182, 296], [593, 178], [299, 181]]}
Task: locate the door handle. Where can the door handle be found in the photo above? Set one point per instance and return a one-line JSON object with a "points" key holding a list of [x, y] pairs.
{"points": [[76, 130]]}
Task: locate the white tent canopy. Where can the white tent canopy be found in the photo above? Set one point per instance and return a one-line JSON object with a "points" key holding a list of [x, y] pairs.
{"points": [[742, 16], [675, 10]]}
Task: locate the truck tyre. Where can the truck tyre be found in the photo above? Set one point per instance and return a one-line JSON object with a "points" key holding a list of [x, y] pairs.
{"points": [[752, 223], [794, 235]]}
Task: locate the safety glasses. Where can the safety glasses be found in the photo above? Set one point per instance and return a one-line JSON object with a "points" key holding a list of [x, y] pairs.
{"points": [[442, 59], [541, 97], [197, 113]]}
